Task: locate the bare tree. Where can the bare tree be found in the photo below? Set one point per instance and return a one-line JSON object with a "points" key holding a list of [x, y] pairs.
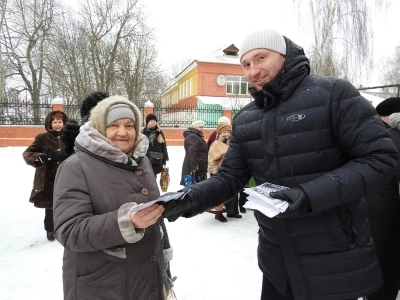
{"points": [[110, 49], [391, 72], [342, 36], [139, 72], [68, 63], [2, 71], [178, 67], [25, 31]]}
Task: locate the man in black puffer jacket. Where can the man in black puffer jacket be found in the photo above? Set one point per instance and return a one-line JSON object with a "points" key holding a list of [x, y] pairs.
{"points": [[319, 137]]}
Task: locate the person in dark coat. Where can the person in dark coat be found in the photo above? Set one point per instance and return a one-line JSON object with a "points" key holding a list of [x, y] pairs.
{"points": [[320, 138], [383, 210], [157, 152], [45, 154], [196, 152], [71, 129], [109, 251]]}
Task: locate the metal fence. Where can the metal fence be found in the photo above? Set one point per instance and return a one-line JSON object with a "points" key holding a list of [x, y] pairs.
{"points": [[383, 91], [21, 112], [183, 116]]}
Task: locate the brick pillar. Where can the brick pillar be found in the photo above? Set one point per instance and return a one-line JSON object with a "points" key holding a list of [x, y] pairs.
{"points": [[227, 112], [57, 104], [148, 109]]}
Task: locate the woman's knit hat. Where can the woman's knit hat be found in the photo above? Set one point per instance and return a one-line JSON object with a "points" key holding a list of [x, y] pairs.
{"points": [[150, 117], [119, 111], [112, 109], [224, 127], [263, 39], [197, 123]]}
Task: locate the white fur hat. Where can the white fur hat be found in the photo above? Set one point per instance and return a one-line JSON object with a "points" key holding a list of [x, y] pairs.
{"points": [[224, 119], [197, 123], [263, 39]]}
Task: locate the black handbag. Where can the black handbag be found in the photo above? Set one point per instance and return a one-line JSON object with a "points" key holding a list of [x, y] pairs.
{"points": [[156, 158]]}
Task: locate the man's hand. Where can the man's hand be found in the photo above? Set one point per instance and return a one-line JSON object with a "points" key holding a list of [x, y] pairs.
{"points": [[177, 208], [298, 200], [147, 216]]}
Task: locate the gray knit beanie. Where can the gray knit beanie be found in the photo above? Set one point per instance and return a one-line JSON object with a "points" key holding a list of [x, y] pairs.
{"points": [[263, 39], [120, 111]]}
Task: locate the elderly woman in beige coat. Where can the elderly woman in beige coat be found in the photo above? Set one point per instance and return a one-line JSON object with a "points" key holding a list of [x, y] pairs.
{"points": [[216, 155], [110, 253]]}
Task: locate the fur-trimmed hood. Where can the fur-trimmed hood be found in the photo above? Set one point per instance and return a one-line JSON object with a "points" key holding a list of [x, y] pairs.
{"points": [[98, 115], [394, 121]]}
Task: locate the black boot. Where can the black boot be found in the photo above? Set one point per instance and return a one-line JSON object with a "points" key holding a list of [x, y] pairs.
{"points": [[242, 210], [221, 218], [234, 216], [50, 236]]}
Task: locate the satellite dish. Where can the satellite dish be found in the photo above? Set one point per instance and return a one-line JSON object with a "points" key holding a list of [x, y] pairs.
{"points": [[221, 80]]}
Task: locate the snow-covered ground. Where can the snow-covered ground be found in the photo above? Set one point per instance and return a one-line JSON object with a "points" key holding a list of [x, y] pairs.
{"points": [[212, 260]]}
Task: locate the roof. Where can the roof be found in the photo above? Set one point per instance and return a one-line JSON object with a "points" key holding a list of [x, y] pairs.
{"points": [[219, 56], [225, 101]]}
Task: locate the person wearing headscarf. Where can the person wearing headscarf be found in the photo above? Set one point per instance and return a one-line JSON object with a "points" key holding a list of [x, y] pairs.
{"points": [[216, 155], [109, 251], [196, 152], [157, 152], [213, 135], [45, 155]]}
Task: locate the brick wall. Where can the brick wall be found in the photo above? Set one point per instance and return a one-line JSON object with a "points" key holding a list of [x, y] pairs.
{"points": [[11, 135], [24, 135]]}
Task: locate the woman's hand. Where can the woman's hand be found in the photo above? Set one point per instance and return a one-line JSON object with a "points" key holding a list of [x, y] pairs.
{"points": [[147, 216]]}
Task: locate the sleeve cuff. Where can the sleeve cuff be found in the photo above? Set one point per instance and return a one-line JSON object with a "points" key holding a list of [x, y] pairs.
{"points": [[168, 255], [128, 231]]}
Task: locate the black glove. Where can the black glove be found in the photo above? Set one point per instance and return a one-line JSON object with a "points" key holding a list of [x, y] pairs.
{"points": [[177, 208], [298, 200], [45, 158], [70, 132]]}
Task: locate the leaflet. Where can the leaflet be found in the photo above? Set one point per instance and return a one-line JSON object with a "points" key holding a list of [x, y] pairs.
{"points": [[162, 199], [260, 200]]}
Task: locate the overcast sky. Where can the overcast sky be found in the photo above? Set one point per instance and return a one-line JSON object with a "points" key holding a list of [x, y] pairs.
{"points": [[192, 29]]}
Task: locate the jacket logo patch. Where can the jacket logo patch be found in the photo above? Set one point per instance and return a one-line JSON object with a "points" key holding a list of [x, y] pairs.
{"points": [[296, 117], [138, 172]]}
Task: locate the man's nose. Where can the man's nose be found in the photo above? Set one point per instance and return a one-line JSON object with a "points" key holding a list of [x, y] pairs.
{"points": [[254, 70]]}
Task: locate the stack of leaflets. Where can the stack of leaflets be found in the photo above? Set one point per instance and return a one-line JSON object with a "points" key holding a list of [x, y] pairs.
{"points": [[160, 200], [260, 200]]}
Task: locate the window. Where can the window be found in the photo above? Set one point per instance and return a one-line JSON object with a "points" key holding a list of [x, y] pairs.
{"points": [[187, 88], [237, 85]]}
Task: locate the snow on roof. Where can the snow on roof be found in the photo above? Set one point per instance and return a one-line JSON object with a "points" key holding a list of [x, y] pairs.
{"points": [[218, 56], [225, 101], [373, 99]]}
